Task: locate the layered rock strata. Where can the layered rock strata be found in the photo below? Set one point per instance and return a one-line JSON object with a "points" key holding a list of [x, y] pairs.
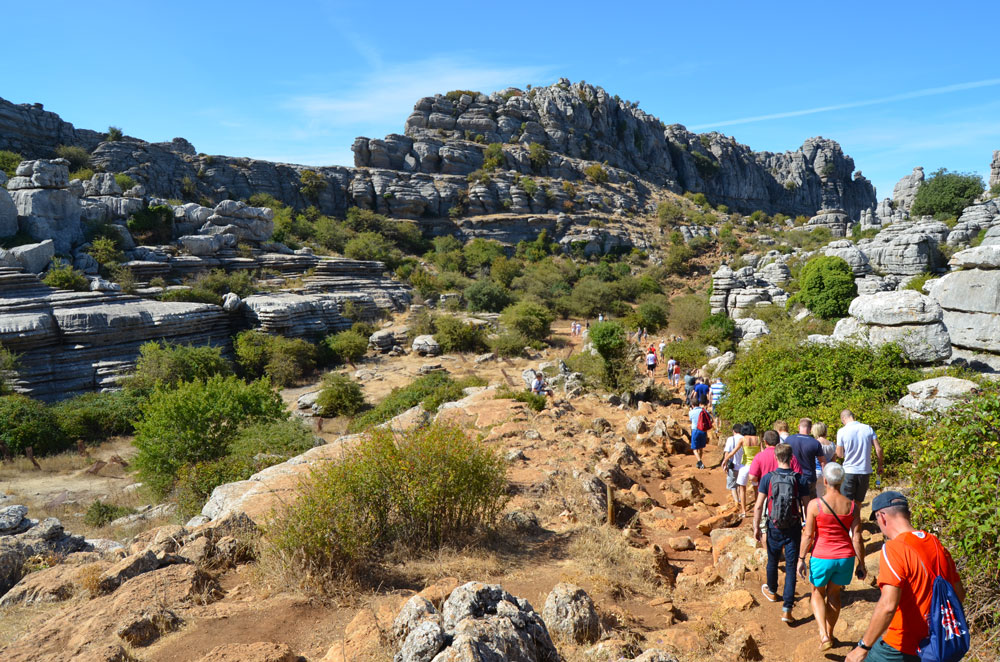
{"points": [[970, 299], [905, 317]]}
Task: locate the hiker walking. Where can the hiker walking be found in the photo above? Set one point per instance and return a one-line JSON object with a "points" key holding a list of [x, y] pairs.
{"points": [[765, 461], [829, 452], [781, 490], [854, 444], [717, 390], [808, 451], [689, 382], [832, 535], [650, 362], [701, 423], [732, 464], [920, 588]]}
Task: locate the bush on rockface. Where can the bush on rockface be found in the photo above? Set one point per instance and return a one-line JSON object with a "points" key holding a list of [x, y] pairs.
{"points": [[9, 161], [340, 396], [955, 493], [25, 422], [285, 361], [509, 344], [718, 330], [166, 365], [826, 287], [153, 225], [101, 514], [420, 489], [78, 157], [62, 276], [946, 193], [195, 421]]}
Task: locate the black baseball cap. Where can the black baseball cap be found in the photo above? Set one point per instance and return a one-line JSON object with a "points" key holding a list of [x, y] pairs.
{"points": [[887, 500]]}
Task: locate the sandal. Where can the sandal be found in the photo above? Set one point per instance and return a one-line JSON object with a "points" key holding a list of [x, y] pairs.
{"points": [[825, 644]]}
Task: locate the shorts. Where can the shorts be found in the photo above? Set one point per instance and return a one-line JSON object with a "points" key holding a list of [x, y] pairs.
{"points": [[831, 571], [731, 479], [699, 438], [812, 490], [743, 476], [855, 486], [883, 652]]}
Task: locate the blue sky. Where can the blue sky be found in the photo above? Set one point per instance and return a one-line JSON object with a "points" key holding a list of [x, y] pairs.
{"points": [[897, 84]]}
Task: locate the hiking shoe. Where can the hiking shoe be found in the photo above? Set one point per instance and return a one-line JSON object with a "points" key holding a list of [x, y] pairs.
{"points": [[701, 465], [771, 597], [786, 616]]}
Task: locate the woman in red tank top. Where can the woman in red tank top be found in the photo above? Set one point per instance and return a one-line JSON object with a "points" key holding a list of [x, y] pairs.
{"points": [[833, 533]]}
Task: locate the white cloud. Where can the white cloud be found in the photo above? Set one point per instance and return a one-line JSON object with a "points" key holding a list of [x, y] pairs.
{"points": [[387, 95]]}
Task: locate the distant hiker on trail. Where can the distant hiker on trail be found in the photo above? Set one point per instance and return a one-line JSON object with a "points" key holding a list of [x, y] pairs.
{"points": [[689, 382], [829, 452], [662, 348], [717, 391], [600, 317], [751, 445], [908, 574], [702, 389], [701, 423], [650, 362], [671, 368], [854, 444], [808, 452], [732, 464], [781, 490], [677, 374], [833, 523]]}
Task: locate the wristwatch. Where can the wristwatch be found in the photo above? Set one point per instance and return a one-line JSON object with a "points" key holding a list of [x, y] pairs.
{"points": [[863, 645]]}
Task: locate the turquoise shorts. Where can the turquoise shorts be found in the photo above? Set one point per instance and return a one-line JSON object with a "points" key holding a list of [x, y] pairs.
{"points": [[831, 571]]}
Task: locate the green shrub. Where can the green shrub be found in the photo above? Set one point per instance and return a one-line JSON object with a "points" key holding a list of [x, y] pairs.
{"points": [[509, 344], [538, 156], [124, 181], [535, 401], [954, 495], [83, 174], [718, 330], [105, 251], [347, 346], [25, 422], [195, 421], [426, 389], [454, 335], [100, 514], [528, 185], [778, 377], [450, 392], [285, 360], [191, 295], [114, 134], [481, 253], [690, 353], [611, 343], [8, 368], [917, 282], [826, 286], [9, 162], [947, 193], [649, 315], [706, 166], [95, 417], [487, 295], [166, 365], [154, 224], [312, 184], [677, 260], [596, 173], [669, 213], [688, 314], [62, 276], [340, 396], [455, 95], [420, 489], [255, 447], [373, 246], [78, 157], [529, 318]]}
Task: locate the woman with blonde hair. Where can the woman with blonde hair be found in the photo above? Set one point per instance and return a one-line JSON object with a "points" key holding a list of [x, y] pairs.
{"points": [[833, 533]]}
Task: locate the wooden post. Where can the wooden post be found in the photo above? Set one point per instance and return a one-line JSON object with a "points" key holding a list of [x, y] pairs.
{"points": [[5, 452], [81, 448], [611, 505]]}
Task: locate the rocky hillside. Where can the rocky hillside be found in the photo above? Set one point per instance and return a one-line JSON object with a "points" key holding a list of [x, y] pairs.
{"points": [[426, 172]]}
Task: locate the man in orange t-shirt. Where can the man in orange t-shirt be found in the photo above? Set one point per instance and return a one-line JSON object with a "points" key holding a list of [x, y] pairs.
{"points": [[910, 562]]}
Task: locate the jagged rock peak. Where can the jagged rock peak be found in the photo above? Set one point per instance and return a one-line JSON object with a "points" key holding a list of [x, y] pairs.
{"points": [[448, 133]]}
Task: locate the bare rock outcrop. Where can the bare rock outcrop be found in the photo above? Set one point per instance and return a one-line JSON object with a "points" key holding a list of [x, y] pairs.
{"points": [[905, 191], [905, 317]]}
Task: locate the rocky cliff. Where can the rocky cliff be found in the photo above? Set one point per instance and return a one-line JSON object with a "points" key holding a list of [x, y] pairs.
{"points": [[423, 174]]}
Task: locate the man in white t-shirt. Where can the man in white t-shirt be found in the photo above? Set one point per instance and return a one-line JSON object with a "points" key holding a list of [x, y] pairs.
{"points": [[733, 450], [854, 444]]}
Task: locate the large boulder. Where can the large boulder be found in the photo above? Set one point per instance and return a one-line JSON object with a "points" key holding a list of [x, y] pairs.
{"points": [[851, 254], [569, 612], [905, 317], [426, 346], [970, 299], [8, 215], [936, 394], [33, 258], [905, 191], [895, 308]]}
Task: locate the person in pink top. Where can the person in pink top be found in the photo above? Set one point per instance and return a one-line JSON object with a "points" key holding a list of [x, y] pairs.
{"points": [[834, 525], [764, 462]]}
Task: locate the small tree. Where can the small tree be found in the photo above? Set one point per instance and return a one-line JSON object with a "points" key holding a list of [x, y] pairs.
{"points": [[114, 133], [611, 343], [77, 156], [62, 276], [827, 286], [312, 184], [486, 295], [538, 156], [531, 319], [947, 193], [596, 173], [9, 162], [340, 396], [105, 251]]}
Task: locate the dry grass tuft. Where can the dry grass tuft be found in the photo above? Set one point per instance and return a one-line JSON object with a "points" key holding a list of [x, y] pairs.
{"points": [[613, 565]]}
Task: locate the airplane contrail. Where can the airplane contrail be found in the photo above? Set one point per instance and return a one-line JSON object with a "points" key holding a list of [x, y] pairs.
{"points": [[958, 87]]}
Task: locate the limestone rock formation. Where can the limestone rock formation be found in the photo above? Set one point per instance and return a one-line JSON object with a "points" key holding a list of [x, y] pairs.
{"points": [[905, 317], [970, 298], [21, 538], [569, 612], [73, 342], [46, 207], [737, 293], [974, 219], [8, 213], [33, 132], [905, 191], [836, 220], [995, 170], [851, 254], [936, 394], [906, 248]]}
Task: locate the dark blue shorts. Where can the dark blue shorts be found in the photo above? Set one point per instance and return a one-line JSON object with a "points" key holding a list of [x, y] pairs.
{"points": [[699, 438]]}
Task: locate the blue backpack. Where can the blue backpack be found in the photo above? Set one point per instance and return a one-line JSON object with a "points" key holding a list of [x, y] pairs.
{"points": [[948, 631]]}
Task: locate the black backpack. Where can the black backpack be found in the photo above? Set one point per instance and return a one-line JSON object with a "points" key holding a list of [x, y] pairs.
{"points": [[783, 500]]}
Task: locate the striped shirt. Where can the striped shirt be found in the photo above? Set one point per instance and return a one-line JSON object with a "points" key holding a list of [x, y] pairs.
{"points": [[718, 389]]}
